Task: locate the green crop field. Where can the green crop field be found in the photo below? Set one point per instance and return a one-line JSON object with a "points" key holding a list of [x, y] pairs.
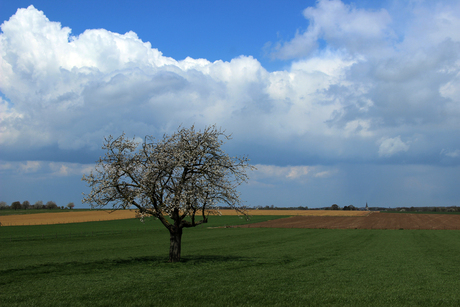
{"points": [[124, 263]]}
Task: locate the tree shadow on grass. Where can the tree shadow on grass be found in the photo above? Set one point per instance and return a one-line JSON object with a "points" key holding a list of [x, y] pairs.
{"points": [[202, 259], [162, 260], [82, 267]]}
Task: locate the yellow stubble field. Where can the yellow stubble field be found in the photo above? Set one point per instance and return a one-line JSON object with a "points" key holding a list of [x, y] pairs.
{"points": [[77, 216]]}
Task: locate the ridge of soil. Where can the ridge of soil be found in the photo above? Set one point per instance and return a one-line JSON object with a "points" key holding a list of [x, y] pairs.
{"points": [[374, 220]]}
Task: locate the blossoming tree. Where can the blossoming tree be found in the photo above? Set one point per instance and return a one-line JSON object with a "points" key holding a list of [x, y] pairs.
{"points": [[183, 176]]}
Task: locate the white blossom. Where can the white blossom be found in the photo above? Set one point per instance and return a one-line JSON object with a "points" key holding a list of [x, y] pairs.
{"points": [[182, 176]]}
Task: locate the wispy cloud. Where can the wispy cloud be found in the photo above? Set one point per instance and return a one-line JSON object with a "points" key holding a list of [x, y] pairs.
{"points": [[30, 166], [290, 173], [47, 169], [451, 153]]}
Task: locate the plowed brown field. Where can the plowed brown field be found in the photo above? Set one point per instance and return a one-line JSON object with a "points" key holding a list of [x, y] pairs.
{"points": [[299, 212], [96, 215], [374, 220]]}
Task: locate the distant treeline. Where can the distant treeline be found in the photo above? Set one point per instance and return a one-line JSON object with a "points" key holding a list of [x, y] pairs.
{"points": [[333, 207], [25, 205], [351, 207], [52, 205]]}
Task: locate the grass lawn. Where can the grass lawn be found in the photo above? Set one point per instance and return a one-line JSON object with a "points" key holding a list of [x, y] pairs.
{"points": [[124, 263]]}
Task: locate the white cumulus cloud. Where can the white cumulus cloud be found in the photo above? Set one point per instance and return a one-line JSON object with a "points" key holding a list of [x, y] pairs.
{"points": [[62, 94], [391, 146], [342, 26], [361, 85]]}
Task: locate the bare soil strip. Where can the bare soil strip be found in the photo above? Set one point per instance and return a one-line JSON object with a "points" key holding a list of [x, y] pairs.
{"points": [[372, 221], [90, 216]]}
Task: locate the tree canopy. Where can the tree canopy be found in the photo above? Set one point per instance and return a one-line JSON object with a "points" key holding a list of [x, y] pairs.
{"points": [[184, 176]]}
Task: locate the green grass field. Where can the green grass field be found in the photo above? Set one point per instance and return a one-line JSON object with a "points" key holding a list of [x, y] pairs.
{"points": [[124, 263]]}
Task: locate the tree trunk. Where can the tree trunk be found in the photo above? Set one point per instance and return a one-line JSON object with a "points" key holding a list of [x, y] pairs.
{"points": [[175, 244]]}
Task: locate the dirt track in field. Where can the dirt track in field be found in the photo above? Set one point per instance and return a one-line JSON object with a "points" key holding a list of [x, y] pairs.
{"points": [[374, 220]]}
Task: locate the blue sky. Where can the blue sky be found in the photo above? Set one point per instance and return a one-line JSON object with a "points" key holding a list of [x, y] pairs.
{"points": [[342, 102], [214, 30]]}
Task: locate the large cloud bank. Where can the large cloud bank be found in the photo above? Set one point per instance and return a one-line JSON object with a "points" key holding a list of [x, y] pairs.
{"points": [[372, 93], [363, 86]]}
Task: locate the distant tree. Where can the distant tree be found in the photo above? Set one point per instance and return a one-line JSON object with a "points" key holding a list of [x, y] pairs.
{"points": [[38, 205], [26, 204], [335, 207], [70, 205], [51, 205], [3, 205], [16, 205], [185, 176]]}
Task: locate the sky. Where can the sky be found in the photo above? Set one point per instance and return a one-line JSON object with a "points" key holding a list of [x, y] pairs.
{"points": [[334, 102]]}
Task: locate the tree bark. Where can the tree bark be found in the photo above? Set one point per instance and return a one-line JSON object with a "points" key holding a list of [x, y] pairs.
{"points": [[175, 244]]}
